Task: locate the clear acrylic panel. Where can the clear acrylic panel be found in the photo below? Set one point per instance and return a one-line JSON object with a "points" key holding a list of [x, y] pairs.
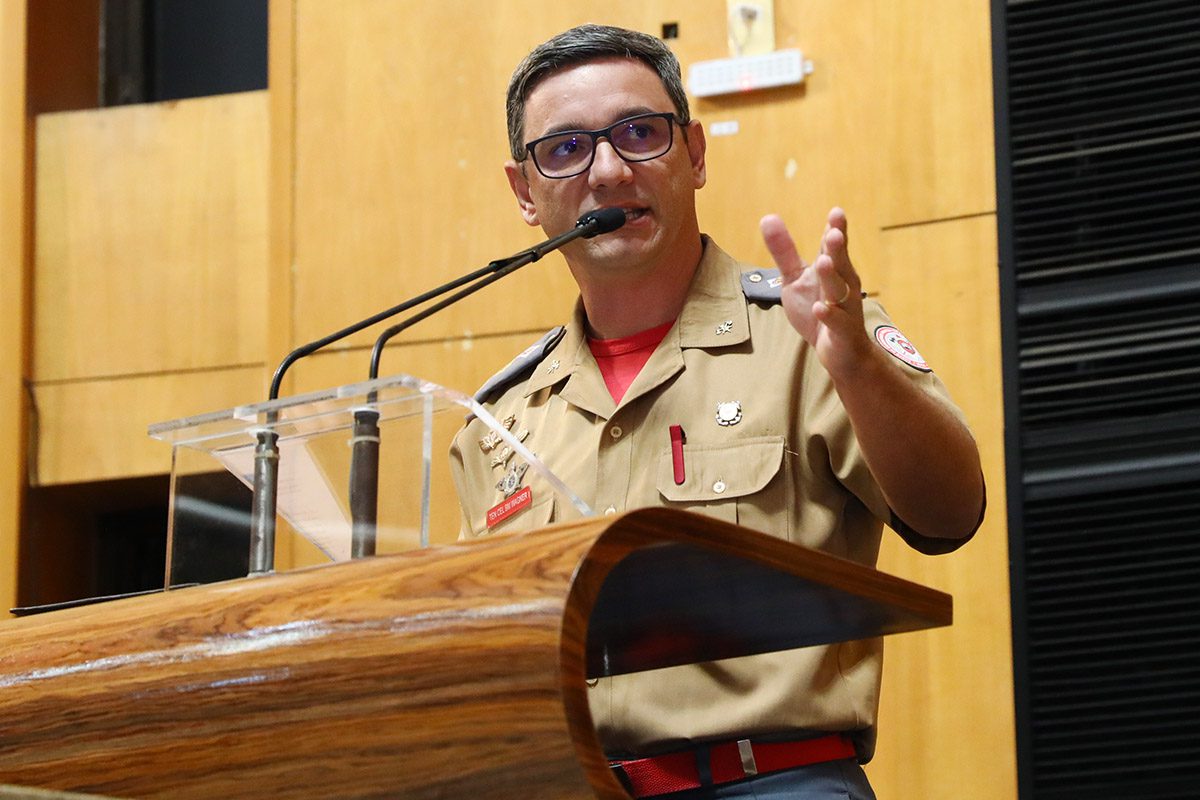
{"points": [[213, 473]]}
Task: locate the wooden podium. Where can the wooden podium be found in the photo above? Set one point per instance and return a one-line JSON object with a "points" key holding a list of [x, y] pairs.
{"points": [[453, 672]]}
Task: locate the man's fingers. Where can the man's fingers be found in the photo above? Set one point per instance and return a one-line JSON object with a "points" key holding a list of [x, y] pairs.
{"points": [[837, 219], [840, 257], [835, 248], [835, 289], [782, 248]]}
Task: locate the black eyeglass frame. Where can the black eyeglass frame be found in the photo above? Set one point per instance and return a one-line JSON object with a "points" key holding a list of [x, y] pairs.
{"points": [[604, 133]]}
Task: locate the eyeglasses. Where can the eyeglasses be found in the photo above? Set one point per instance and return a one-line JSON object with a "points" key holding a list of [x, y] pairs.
{"points": [[570, 153]]}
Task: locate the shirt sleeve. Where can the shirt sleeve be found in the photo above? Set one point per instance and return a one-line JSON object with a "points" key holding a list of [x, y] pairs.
{"points": [[831, 426]]}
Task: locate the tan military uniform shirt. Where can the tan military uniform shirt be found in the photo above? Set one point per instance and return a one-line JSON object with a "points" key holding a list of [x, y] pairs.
{"points": [[789, 466]]}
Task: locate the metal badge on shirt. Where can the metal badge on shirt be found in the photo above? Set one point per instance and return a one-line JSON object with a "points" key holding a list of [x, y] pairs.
{"points": [[492, 440], [516, 497], [729, 413]]}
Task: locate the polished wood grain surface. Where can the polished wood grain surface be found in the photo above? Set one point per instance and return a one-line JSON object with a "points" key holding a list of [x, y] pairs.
{"points": [[25, 793], [451, 672]]}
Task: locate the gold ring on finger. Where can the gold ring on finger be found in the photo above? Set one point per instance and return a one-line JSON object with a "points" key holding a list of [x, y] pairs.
{"points": [[838, 303]]}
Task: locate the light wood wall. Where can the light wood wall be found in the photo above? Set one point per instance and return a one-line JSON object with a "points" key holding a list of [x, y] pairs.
{"points": [[151, 238], [371, 170], [14, 243], [947, 725], [150, 262]]}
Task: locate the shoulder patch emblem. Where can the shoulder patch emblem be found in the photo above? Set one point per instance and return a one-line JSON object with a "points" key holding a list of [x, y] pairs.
{"points": [[520, 366], [897, 344], [762, 285]]}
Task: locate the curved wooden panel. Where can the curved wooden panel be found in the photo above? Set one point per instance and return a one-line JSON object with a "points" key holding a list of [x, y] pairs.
{"points": [[452, 672], [426, 675]]}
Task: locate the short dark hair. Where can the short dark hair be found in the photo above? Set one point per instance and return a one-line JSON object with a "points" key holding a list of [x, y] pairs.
{"points": [[580, 45]]}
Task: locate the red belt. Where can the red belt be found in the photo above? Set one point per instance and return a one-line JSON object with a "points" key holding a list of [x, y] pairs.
{"points": [[729, 761]]}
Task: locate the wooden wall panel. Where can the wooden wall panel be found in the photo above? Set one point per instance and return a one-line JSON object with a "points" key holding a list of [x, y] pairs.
{"points": [[947, 709], [151, 238], [799, 152], [399, 148], [934, 88], [96, 430], [14, 290], [947, 727]]}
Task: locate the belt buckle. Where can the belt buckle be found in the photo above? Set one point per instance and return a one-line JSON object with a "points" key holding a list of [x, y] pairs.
{"points": [[746, 751]]}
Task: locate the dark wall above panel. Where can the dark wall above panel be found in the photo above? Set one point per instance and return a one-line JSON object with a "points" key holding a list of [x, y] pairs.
{"points": [[171, 49]]}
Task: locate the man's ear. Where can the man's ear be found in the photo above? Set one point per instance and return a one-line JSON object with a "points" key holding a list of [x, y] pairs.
{"points": [[697, 146], [520, 188]]}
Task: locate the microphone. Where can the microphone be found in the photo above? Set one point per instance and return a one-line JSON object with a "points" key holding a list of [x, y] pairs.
{"points": [[605, 220], [591, 224], [588, 226], [364, 456], [262, 533]]}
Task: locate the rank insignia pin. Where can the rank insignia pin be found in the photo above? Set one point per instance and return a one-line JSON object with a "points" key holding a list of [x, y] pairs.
{"points": [[488, 443], [729, 413], [511, 481], [553, 365], [501, 458], [725, 327]]}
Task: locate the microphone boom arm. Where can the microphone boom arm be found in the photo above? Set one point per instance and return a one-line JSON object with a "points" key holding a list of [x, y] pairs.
{"points": [[312, 347], [589, 225], [364, 462]]}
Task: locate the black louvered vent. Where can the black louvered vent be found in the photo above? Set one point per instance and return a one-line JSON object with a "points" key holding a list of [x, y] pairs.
{"points": [[1098, 149]]}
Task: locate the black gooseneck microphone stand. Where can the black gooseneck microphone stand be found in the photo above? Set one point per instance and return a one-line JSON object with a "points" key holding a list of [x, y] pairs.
{"points": [[364, 464]]}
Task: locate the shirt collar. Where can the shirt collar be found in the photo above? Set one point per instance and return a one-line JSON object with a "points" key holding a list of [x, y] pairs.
{"points": [[714, 315]]}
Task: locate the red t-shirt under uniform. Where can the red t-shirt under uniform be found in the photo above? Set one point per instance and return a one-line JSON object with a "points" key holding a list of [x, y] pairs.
{"points": [[620, 360]]}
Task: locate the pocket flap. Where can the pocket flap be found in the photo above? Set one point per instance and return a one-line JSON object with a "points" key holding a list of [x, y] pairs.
{"points": [[721, 471]]}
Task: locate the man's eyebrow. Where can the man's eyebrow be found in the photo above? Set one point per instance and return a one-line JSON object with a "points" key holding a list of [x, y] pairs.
{"points": [[574, 125]]}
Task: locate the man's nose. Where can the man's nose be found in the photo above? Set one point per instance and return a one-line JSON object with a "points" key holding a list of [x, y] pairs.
{"points": [[608, 168]]}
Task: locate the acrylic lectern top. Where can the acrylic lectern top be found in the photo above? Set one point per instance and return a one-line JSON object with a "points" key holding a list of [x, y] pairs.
{"points": [[213, 469]]}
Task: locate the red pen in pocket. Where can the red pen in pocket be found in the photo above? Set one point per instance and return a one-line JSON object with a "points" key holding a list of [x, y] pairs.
{"points": [[677, 439]]}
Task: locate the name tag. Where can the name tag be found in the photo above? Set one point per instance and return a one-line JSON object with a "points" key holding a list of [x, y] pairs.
{"points": [[509, 506]]}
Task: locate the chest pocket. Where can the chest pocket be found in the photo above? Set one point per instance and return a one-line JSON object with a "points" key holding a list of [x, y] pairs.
{"points": [[731, 481]]}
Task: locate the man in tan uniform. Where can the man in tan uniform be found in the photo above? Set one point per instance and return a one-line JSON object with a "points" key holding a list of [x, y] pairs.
{"points": [[776, 399]]}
